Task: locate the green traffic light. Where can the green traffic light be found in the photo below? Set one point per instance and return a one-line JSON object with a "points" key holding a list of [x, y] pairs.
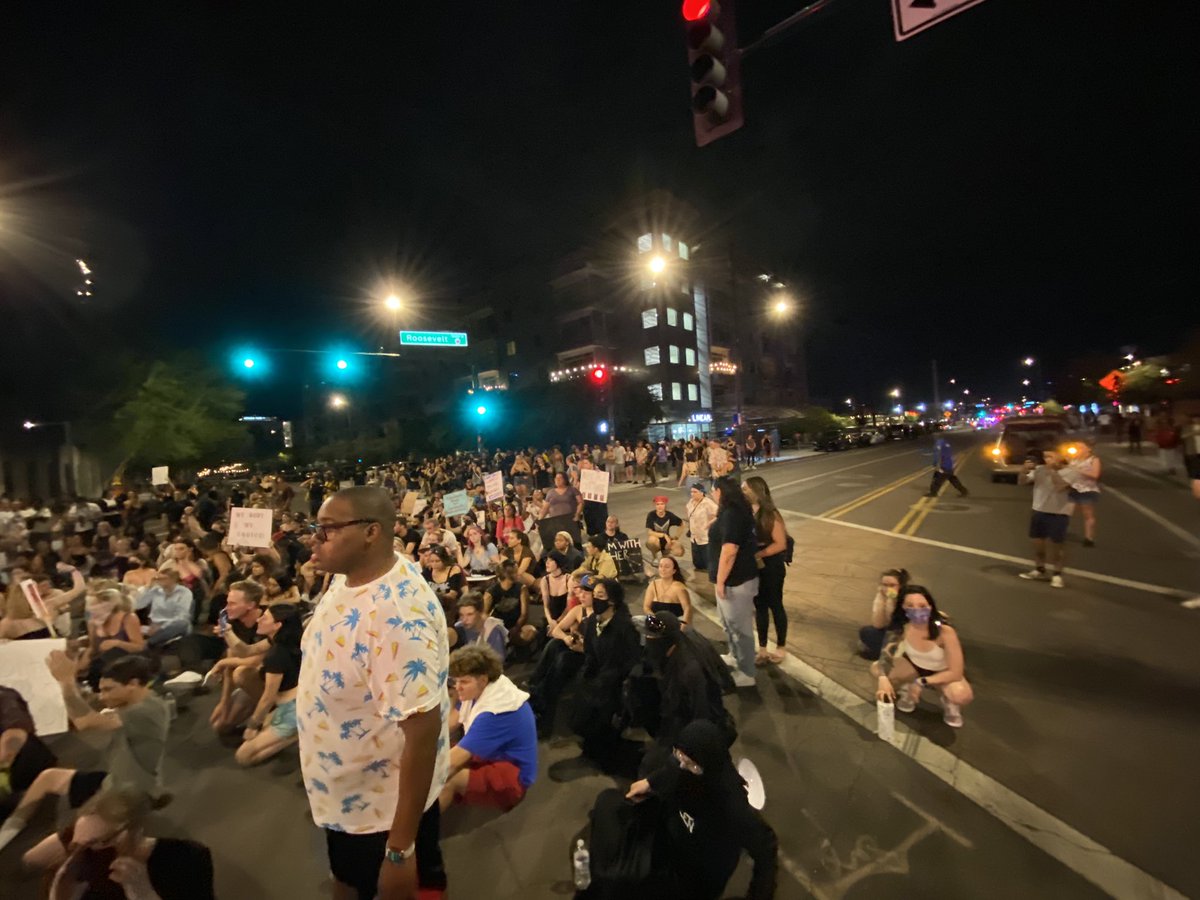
{"points": [[481, 410]]}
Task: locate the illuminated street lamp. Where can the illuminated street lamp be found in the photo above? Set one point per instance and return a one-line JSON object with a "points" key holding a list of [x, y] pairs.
{"points": [[392, 303], [1028, 361], [338, 401], [894, 392], [657, 264], [782, 306], [1025, 382]]}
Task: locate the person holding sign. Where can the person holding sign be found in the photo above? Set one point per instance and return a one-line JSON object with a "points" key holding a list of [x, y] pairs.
{"points": [[593, 486]]}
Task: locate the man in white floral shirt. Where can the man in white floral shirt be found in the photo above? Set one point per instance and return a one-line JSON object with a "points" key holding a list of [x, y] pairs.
{"points": [[372, 705]]}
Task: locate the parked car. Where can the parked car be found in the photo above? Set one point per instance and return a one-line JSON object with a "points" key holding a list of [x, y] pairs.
{"points": [[1022, 438], [833, 439]]}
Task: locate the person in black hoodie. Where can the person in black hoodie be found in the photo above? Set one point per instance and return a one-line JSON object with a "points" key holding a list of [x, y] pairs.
{"points": [[708, 818]]}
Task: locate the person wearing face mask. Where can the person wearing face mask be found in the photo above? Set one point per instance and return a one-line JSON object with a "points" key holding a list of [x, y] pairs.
{"points": [[113, 631], [883, 611], [700, 803], [106, 853], [929, 655]]}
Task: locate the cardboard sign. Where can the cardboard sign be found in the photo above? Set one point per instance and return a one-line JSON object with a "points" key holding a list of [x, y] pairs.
{"points": [[409, 504], [493, 486], [593, 484], [23, 668], [158, 475], [456, 504], [249, 527]]}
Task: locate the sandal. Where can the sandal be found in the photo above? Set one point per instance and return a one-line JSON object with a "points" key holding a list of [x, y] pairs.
{"points": [[762, 657], [777, 657]]}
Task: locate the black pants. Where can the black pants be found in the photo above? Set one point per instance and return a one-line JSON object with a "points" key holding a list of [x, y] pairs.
{"points": [[556, 667], [31, 760], [354, 859], [940, 477], [872, 639], [768, 603], [195, 649]]}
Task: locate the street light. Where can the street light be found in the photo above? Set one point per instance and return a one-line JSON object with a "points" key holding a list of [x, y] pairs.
{"points": [[894, 392], [1028, 361], [781, 306], [337, 401], [1025, 382], [392, 303], [657, 264], [248, 362]]}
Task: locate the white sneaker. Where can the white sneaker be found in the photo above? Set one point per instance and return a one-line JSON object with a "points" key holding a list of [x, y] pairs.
{"points": [[1057, 581], [951, 714], [742, 680], [1034, 575], [907, 701], [728, 659], [184, 679]]}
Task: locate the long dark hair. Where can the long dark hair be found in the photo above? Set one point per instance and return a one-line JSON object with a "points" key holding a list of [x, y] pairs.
{"points": [[291, 627], [732, 496], [764, 519], [899, 619], [901, 575]]}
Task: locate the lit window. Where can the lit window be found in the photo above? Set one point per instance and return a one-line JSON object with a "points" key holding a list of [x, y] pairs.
{"points": [[653, 356], [688, 322], [672, 316], [655, 391], [511, 348], [649, 318], [645, 243], [667, 245], [683, 250], [685, 288], [674, 354], [689, 356], [676, 390], [693, 392]]}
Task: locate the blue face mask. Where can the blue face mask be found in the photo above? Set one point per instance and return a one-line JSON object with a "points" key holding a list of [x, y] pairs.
{"points": [[919, 616]]}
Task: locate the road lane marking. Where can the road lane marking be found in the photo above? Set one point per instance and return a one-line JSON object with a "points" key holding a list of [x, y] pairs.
{"points": [[869, 462], [1173, 593], [931, 502], [1054, 837], [875, 494], [912, 511], [1181, 533]]}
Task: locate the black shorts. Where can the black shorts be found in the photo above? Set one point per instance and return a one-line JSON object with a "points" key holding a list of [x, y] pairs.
{"points": [[354, 859], [1049, 526], [84, 785], [1191, 462]]}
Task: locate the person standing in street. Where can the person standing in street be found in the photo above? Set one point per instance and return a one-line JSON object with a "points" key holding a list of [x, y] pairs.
{"points": [[701, 513], [1085, 489], [943, 469], [737, 577], [1166, 436], [372, 706], [1052, 509]]}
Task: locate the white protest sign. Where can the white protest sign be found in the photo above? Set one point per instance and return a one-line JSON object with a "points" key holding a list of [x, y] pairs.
{"points": [[34, 598], [456, 503], [593, 484], [249, 527], [493, 486], [419, 506], [23, 668], [159, 475]]}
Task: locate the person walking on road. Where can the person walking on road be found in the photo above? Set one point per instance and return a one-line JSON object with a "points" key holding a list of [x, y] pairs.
{"points": [[1085, 489], [1052, 509], [373, 681], [737, 577], [943, 469]]}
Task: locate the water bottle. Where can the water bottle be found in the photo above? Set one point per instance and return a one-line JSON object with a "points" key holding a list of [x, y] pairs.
{"points": [[583, 866], [885, 720]]}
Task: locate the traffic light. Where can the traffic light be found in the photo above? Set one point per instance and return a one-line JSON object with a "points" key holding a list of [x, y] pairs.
{"points": [[599, 375], [716, 68], [248, 363]]}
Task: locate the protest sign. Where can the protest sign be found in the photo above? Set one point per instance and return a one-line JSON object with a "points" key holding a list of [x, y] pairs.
{"points": [[23, 668], [456, 503], [249, 527], [493, 486], [593, 484]]}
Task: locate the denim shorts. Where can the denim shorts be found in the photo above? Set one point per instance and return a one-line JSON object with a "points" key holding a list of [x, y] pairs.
{"points": [[283, 719], [1084, 498]]}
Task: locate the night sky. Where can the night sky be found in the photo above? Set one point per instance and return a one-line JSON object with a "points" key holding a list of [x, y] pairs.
{"points": [[1018, 180]]}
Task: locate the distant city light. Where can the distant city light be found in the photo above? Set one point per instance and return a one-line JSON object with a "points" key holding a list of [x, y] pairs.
{"points": [[1028, 360]]}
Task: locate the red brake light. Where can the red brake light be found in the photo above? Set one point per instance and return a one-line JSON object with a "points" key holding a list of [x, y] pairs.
{"points": [[695, 10]]}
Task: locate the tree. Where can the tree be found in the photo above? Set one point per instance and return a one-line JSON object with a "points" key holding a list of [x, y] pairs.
{"points": [[181, 413]]}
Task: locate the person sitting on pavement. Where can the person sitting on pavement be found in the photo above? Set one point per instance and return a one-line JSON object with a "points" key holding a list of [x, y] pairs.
{"points": [[613, 536], [883, 612], [495, 761], [610, 648], [445, 577], [23, 755], [661, 530], [507, 598], [521, 555], [113, 631], [281, 590], [597, 561], [170, 608], [707, 817], [234, 636], [474, 626], [668, 593], [562, 657], [564, 545], [929, 654], [18, 622], [555, 588], [106, 852], [138, 720], [479, 554], [272, 725]]}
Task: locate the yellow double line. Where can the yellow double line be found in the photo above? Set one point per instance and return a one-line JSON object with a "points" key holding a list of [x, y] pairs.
{"points": [[839, 511], [916, 514]]}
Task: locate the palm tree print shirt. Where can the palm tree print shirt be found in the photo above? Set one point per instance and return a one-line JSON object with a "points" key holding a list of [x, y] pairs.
{"points": [[372, 656]]}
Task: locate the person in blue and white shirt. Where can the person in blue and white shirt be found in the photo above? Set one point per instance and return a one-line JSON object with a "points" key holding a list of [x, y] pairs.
{"points": [[372, 705]]}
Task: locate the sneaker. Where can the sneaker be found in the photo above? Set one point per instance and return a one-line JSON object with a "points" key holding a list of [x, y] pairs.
{"points": [[184, 679], [728, 659], [1057, 581], [742, 680], [951, 714], [1035, 575], [906, 702]]}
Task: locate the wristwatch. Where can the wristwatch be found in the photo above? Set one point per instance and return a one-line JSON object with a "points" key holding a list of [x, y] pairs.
{"points": [[398, 857], [923, 681]]}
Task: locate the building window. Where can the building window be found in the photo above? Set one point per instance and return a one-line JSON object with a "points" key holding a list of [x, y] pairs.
{"points": [[688, 321], [685, 288], [683, 250], [645, 243], [511, 348], [672, 316], [693, 392], [653, 356], [655, 391], [649, 318], [689, 356], [676, 390], [674, 354], [667, 243]]}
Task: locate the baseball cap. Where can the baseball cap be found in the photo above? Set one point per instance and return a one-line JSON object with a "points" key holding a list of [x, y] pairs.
{"points": [[699, 486], [587, 581], [660, 499]]}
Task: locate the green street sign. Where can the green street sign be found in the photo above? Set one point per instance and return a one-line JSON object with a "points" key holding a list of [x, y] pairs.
{"points": [[433, 338]]}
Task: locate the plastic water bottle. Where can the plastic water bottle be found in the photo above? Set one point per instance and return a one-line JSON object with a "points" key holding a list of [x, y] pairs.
{"points": [[885, 720], [583, 866]]}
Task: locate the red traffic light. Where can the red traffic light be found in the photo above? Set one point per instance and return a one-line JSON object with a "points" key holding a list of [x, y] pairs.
{"points": [[599, 375], [695, 10]]}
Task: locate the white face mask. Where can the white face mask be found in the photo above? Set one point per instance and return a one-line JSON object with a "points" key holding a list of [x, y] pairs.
{"points": [[56, 545]]}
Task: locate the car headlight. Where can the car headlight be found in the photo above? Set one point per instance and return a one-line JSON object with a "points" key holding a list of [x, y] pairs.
{"points": [[995, 451]]}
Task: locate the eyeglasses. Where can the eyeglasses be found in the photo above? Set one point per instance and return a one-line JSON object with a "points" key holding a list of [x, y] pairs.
{"points": [[321, 531]]}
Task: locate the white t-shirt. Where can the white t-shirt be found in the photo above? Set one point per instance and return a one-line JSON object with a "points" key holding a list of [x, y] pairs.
{"points": [[372, 656]]}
